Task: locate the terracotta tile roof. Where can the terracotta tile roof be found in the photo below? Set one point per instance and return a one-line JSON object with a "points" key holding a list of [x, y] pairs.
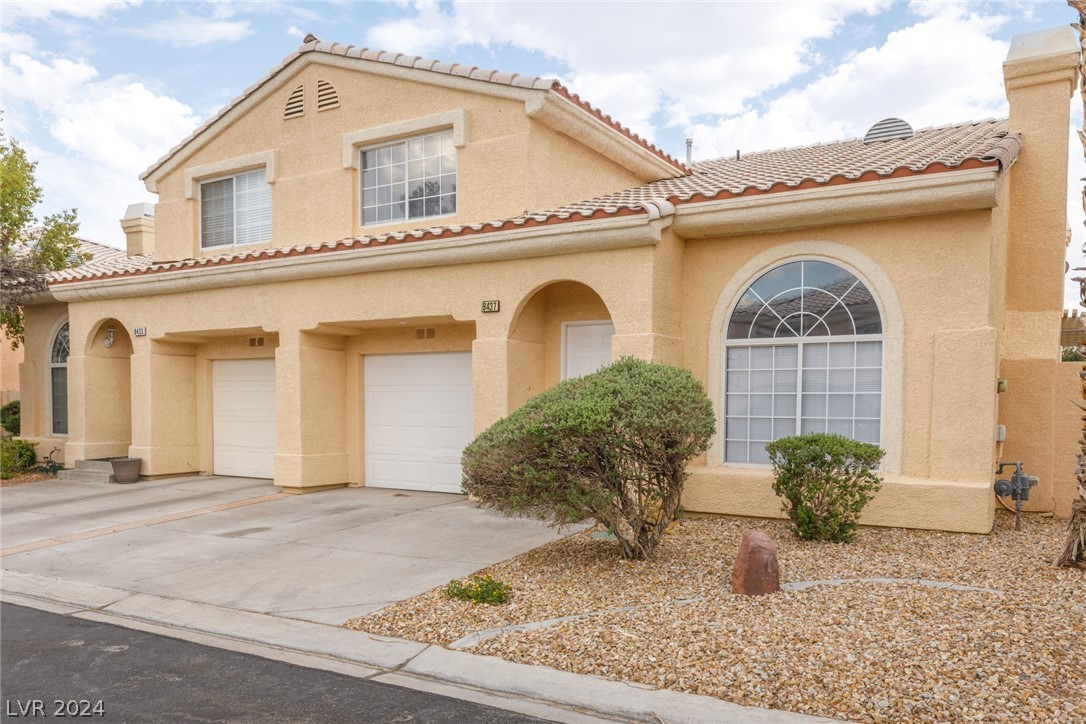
{"points": [[105, 261], [932, 150], [529, 82], [966, 145]]}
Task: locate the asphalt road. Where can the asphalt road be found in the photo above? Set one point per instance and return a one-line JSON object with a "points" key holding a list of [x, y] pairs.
{"points": [[54, 666]]}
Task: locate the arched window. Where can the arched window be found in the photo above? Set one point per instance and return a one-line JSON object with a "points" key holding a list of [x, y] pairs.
{"points": [[804, 354], [58, 372]]}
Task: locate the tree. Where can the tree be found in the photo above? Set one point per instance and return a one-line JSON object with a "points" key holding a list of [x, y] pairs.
{"points": [[29, 248], [611, 446]]}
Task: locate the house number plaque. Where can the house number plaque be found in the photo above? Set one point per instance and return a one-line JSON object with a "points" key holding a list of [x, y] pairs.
{"points": [[492, 305], [140, 331]]}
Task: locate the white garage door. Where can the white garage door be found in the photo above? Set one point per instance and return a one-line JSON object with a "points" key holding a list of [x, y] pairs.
{"points": [[418, 420], [243, 410]]}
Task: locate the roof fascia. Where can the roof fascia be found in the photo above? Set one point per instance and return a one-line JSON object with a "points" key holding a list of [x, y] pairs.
{"points": [[562, 115], [892, 198], [579, 237]]}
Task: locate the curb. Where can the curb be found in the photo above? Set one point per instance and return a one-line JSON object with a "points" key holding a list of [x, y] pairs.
{"points": [[534, 690]]}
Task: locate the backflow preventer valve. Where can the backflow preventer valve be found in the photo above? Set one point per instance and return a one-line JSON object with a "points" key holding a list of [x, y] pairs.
{"points": [[1016, 488]]}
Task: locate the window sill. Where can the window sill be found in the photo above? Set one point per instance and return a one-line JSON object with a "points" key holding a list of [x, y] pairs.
{"points": [[403, 225]]}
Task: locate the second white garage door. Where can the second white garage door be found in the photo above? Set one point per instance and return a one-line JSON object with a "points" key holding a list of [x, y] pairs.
{"points": [[418, 420], [243, 417]]}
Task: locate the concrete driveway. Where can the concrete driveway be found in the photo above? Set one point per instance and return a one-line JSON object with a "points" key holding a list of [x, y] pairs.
{"points": [[240, 544]]}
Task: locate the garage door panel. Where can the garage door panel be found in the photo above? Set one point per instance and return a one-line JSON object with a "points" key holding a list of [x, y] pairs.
{"points": [[243, 417], [418, 411]]}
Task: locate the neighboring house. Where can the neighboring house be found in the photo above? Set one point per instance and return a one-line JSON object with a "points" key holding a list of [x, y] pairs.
{"points": [[10, 359], [368, 258]]}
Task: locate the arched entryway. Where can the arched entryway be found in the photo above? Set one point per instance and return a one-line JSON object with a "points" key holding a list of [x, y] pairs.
{"points": [[561, 329], [107, 397]]}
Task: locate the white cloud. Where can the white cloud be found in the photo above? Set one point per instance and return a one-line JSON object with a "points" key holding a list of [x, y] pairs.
{"points": [[43, 9], [17, 42], [639, 59], [295, 32], [915, 75], [104, 131], [186, 31]]}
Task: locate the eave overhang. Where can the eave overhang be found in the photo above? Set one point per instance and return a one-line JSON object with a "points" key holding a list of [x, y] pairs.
{"points": [[885, 198], [627, 231]]}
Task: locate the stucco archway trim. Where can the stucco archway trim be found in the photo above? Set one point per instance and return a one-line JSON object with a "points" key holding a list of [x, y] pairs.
{"points": [[893, 334]]}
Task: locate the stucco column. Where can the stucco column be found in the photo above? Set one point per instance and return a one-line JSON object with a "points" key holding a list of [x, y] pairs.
{"points": [[164, 409], [76, 446], [1040, 75], [492, 368], [963, 413], [311, 404]]}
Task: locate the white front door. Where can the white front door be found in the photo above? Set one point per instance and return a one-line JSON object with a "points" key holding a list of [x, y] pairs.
{"points": [[243, 417], [586, 347], [418, 419]]}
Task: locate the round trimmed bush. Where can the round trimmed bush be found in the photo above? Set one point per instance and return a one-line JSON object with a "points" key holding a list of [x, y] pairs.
{"points": [[610, 446]]}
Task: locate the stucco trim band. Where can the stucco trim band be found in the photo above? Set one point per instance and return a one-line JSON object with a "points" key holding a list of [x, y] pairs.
{"points": [[621, 233], [265, 159], [455, 119], [885, 199]]}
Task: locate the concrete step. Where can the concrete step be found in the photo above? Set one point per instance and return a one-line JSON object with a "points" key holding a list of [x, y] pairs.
{"points": [[95, 466], [77, 475]]}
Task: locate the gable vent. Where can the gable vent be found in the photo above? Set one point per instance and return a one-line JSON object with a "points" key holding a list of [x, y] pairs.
{"points": [[256, 341], [295, 108], [327, 98], [887, 129], [426, 333]]}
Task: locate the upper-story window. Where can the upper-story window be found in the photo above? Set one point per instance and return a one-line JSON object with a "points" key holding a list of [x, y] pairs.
{"points": [[235, 210], [804, 354], [412, 179]]}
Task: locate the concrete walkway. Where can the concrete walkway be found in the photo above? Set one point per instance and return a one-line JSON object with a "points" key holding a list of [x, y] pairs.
{"points": [[233, 563]]}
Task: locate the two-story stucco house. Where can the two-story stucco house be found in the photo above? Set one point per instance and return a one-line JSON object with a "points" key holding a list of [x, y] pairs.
{"points": [[367, 258]]}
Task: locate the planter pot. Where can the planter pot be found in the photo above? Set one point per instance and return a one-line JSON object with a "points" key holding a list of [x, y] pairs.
{"points": [[126, 470]]}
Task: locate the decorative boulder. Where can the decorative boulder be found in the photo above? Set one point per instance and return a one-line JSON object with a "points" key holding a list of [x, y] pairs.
{"points": [[756, 570]]}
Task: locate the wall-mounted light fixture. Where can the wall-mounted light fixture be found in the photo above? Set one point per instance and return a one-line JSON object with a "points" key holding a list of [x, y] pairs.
{"points": [[111, 334]]}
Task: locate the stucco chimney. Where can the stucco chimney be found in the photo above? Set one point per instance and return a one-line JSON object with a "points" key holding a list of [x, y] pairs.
{"points": [[139, 228], [1040, 74]]}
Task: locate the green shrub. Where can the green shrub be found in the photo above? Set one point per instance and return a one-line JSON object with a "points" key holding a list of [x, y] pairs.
{"points": [[10, 419], [479, 589], [610, 446], [15, 457], [825, 480]]}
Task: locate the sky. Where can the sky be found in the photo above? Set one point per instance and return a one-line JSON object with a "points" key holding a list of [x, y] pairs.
{"points": [[96, 91]]}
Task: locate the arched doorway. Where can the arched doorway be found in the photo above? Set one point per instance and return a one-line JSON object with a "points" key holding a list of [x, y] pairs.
{"points": [[107, 393], [562, 329]]}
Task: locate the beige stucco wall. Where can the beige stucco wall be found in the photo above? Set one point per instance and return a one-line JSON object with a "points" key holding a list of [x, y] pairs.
{"points": [[319, 331], [508, 163], [1068, 423], [939, 356]]}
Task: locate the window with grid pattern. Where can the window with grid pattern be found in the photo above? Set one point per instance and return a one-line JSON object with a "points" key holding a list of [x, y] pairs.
{"points": [[412, 179], [803, 354], [58, 380], [235, 210]]}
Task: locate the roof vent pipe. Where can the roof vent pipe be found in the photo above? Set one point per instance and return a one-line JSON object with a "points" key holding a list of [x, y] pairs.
{"points": [[689, 151]]}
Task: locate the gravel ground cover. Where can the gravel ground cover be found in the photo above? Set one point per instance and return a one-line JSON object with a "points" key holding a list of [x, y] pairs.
{"points": [[859, 651]]}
